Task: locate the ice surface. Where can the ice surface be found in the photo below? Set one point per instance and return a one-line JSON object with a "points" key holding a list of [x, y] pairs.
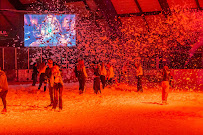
{"points": [[118, 110]]}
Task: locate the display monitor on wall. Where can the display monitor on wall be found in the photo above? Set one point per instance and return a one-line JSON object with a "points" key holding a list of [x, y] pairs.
{"points": [[41, 30]]}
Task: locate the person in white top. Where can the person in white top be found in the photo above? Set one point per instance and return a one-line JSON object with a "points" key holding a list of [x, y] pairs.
{"points": [[110, 74], [103, 75], [139, 74]]}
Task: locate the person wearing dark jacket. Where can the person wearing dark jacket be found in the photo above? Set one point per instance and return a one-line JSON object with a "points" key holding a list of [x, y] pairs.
{"points": [[96, 84], [42, 76], [48, 74], [3, 89], [34, 74], [75, 71], [82, 75], [103, 75]]}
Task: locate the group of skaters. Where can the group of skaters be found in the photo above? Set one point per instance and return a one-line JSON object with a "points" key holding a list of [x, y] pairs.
{"points": [[100, 74], [51, 75]]}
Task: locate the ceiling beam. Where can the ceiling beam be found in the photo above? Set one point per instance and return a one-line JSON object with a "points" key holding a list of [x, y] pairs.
{"points": [[140, 14], [73, 0], [143, 16], [198, 5], [92, 15], [17, 4], [165, 7], [86, 5], [138, 5], [6, 18], [110, 15]]}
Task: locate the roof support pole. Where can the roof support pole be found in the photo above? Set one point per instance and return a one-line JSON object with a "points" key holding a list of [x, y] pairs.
{"points": [[165, 7], [143, 16], [198, 5], [110, 15]]}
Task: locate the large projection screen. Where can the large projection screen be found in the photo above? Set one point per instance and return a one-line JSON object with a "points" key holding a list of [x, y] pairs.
{"points": [[41, 30]]}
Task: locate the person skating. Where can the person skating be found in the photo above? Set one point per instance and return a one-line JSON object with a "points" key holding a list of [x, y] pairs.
{"points": [[42, 79], [3, 89], [34, 74], [110, 74], [96, 84], [48, 74], [82, 75], [57, 83], [139, 74], [165, 84], [75, 70], [103, 75]]}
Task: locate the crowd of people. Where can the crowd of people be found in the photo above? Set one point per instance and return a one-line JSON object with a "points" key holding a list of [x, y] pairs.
{"points": [[100, 75], [103, 74], [51, 75]]}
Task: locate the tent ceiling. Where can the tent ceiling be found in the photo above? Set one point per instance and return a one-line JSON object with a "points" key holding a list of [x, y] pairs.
{"points": [[149, 5], [27, 1], [121, 6], [125, 6], [201, 3], [187, 3]]}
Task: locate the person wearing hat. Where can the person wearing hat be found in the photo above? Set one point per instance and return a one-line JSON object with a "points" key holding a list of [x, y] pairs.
{"points": [[48, 74]]}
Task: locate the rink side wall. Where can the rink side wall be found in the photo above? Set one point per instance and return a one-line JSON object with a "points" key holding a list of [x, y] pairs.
{"points": [[188, 78]]}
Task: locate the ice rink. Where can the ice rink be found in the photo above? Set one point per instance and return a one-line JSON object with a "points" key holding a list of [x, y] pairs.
{"points": [[117, 111]]}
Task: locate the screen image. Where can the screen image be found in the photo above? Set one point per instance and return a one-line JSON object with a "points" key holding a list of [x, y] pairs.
{"points": [[49, 30]]}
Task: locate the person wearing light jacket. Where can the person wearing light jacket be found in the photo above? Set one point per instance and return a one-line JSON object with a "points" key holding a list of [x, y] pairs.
{"points": [[110, 74], [57, 83], [3, 89]]}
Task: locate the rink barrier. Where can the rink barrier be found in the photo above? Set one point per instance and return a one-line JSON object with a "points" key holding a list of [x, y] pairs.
{"points": [[180, 77]]}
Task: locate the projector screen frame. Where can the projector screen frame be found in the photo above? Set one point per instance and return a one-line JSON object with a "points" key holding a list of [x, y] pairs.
{"points": [[56, 14]]}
